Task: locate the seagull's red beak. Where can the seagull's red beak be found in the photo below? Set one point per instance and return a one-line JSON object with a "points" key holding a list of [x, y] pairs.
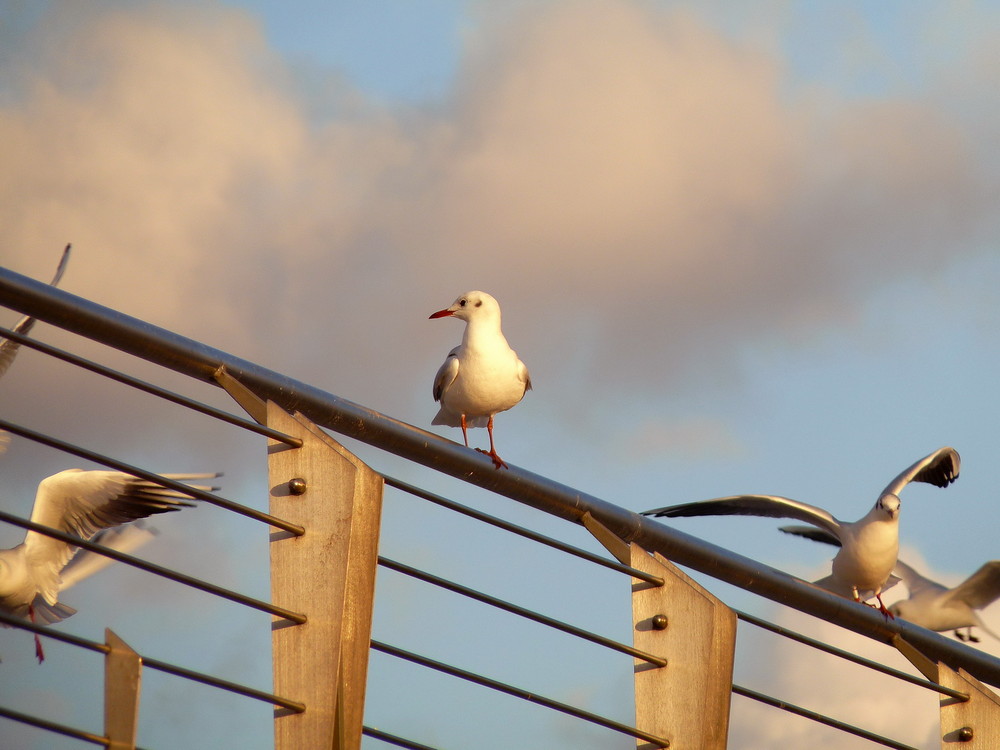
{"points": [[441, 314]]}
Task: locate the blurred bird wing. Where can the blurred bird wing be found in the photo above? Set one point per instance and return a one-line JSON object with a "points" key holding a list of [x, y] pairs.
{"points": [[913, 580], [9, 347], [981, 588], [770, 506], [940, 468], [85, 563]]}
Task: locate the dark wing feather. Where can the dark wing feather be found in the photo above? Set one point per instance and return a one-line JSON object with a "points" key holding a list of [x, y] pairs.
{"points": [[770, 506]]}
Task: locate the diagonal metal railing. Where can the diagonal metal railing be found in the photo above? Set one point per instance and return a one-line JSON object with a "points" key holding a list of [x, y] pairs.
{"points": [[197, 360], [215, 367]]}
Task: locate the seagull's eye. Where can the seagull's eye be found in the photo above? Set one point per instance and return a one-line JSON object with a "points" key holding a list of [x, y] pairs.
{"points": [[463, 303]]}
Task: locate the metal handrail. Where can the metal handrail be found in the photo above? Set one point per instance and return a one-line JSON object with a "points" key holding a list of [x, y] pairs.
{"points": [[493, 601], [154, 390], [160, 666], [517, 692], [820, 718], [148, 567], [168, 349], [513, 528], [135, 471]]}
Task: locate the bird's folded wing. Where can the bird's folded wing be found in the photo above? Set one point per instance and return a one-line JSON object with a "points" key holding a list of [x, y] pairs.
{"points": [[446, 374], [771, 506], [522, 374], [940, 468], [981, 588]]}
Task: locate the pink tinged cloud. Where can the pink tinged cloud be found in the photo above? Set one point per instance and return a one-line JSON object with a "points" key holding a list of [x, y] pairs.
{"points": [[605, 162]]}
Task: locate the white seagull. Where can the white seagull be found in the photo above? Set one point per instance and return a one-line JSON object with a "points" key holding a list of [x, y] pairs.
{"points": [[936, 607], [79, 503], [929, 604], [9, 347], [868, 547], [481, 376]]}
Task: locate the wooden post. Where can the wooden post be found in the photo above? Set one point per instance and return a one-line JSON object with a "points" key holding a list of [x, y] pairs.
{"points": [[688, 700], [329, 575], [970, 725], [973, 724], [122, 679]]}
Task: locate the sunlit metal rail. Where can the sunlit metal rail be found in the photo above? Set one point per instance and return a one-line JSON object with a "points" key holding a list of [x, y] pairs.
{"points": [[203, 363], [199, 361]]}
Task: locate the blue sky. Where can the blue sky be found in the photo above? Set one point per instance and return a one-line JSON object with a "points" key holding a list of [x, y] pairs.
{"points": [[741, 248]]}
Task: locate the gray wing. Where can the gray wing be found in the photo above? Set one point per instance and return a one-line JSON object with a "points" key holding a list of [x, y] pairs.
{"points": [[9, 347], [940, 468], [913, 580], [446, 374], [814, 533], [770, 506], [981, 588], [85, 563]]}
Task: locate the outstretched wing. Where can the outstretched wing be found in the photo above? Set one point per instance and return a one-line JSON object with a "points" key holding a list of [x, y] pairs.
{"points": [[9, 347], [81, 503], [814, 533], [981, 588], [915, 582], [770, 506], [940, 468]]}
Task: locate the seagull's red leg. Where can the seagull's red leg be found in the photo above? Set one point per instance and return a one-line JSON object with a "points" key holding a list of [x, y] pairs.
{"points": [[39, 653], [497, 461], [465, 432], [881, 608]]}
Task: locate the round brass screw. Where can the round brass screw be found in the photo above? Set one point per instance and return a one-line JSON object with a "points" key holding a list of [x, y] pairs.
{"points": [[297, 486], [659, 622], [965, 734]]}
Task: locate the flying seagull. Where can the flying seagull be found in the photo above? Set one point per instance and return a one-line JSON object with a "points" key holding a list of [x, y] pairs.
{"points": [[936, 607], [9, 347], [481, 376], [868, 547], [79, 503]]}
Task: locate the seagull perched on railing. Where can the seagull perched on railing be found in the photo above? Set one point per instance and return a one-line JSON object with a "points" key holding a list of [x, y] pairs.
{"points": [[79, 503], [483, 375], [868, 547]]}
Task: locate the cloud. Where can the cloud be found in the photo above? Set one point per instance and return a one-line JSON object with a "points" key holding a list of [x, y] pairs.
{"points": [[690, 439], [609, 164]]}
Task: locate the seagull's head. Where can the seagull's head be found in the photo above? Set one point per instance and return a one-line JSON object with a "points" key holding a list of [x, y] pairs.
{"points": [[889, 505], [470, 305]]}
